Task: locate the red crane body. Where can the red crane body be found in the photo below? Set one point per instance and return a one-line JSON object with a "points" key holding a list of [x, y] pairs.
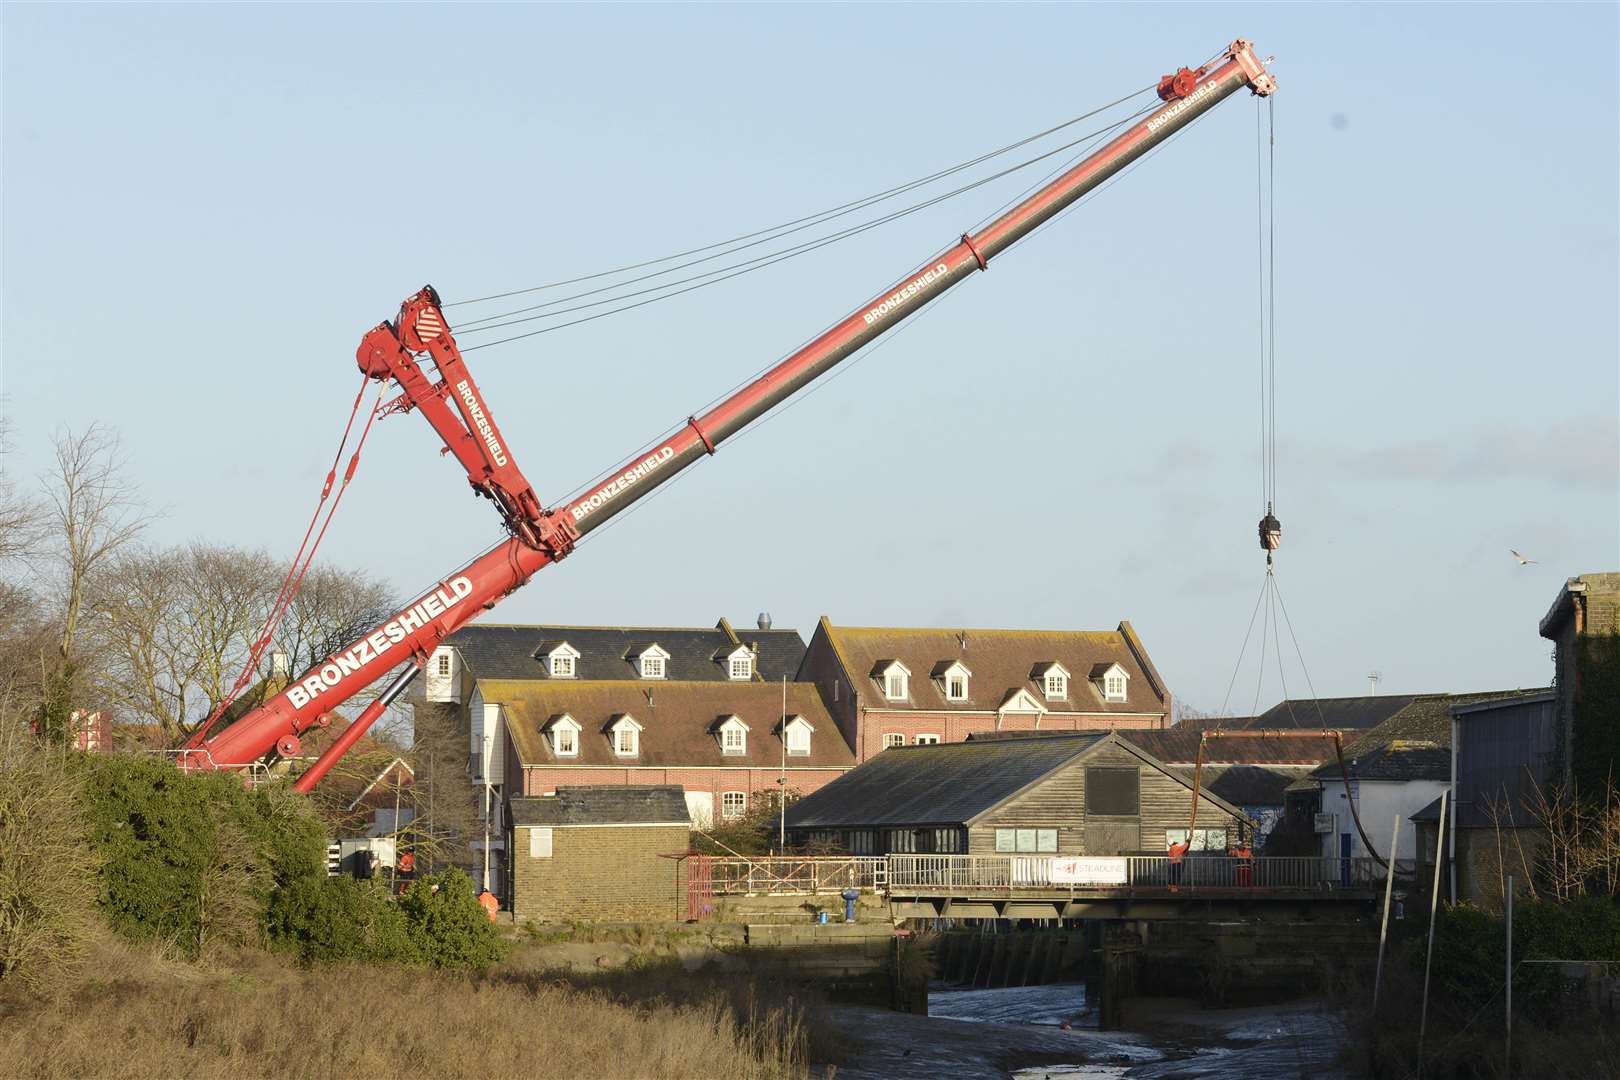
{"points": [[541, 536]]}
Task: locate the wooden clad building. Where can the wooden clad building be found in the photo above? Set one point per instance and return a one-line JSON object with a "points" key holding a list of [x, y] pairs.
{"points": [[1081, 794]]}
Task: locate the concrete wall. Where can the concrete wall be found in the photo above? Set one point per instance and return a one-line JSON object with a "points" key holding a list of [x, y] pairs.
{"points": [[1378, 802], [613, 872]]}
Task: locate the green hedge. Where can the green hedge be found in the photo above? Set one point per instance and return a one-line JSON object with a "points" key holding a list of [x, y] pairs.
{"points": [[197, 859]]}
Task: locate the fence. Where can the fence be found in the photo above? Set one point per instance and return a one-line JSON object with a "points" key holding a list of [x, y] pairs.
{"points": [[787, 876]]}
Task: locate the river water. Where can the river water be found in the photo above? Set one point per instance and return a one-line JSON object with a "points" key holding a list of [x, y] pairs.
{"points": [[1018, 1033]]}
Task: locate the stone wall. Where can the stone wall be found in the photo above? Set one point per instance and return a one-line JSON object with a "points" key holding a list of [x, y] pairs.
{"points": [[621, 873]]}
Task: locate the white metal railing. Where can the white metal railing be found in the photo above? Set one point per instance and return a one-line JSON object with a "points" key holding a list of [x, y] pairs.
{"points": [[770, 874], [253, 773], [976, 873]]}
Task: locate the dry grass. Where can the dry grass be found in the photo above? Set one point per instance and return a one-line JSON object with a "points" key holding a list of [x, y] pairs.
{"points": [[253, 1015]]}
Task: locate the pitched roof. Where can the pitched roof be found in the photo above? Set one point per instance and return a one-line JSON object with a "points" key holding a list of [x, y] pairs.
{"points": [[1000, 660], [1341, 713], [1179, 746], [1251, 785], [678, 723], [949, 783], [1413, 744], [496, 651], [616, 805]]}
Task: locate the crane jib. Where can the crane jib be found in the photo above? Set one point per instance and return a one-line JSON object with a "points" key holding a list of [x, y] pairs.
{"points": [[541, 537]]}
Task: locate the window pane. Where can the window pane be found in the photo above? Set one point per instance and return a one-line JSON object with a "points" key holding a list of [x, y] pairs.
{"points": [[1046, 840], [1005, 840], [1026, 839]]}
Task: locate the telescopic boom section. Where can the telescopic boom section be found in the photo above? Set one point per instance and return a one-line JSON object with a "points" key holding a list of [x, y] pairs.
{"points": [[542, 536]]}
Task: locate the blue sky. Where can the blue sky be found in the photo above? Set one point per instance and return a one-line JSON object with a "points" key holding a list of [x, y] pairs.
{"points": [[205, 207]]}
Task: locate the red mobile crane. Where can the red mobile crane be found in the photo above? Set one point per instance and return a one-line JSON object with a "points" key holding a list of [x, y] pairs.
{"points": [[540, 536]]}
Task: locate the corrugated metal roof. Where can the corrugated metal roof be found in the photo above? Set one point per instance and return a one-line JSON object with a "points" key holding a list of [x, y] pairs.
{"points": [[943, 784]]}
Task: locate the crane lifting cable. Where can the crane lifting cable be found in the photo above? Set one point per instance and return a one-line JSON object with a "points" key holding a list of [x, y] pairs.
{"points": [[1269, 608]]}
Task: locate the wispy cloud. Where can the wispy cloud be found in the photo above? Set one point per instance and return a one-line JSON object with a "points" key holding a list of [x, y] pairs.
{"points": [[1579, 452]]}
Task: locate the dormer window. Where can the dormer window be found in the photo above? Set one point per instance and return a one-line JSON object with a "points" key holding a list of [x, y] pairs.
{"points": [[1112, 679], [740, 664], [796, 733], [733, 736], [561, 660], [1053, 679], [651, 663], [563, 732], [626, 736], [895, 679], [953, 679]]}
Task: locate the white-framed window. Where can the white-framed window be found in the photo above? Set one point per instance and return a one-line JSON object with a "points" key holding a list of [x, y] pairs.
{"points": [[797, 734], [444, 663], [652, 667], [1203, 839], [626, 735], [566, 742], [893, 738], [927, 740], [733, 804], [895, 679], [742, 667], [560, 661], [1114, 686], [956, 687], [733, 736], [1057, 685], [1026, 840]]}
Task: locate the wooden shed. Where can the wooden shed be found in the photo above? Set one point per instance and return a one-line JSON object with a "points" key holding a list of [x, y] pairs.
{"points": [[1063, 794]]}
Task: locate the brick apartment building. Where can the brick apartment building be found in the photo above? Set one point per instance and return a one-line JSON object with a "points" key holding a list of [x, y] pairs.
{"points": [[903, 687]]}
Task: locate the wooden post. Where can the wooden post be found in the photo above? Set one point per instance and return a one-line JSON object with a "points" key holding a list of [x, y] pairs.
{"points": [[1383, 929], [1434, 903]]}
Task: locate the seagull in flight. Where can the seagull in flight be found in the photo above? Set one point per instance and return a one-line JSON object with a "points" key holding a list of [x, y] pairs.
{"points": [[1523, 559]]}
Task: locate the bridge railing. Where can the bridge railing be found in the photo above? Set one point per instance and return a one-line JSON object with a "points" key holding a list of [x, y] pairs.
{"points": [[796, 876], [974, 873]]}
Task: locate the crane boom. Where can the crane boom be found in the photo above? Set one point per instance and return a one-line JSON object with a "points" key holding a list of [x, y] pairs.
{"points": [[543, 536]]}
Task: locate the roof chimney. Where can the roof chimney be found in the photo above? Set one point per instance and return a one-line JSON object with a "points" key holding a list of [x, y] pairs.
{"points": [[764, 620]]}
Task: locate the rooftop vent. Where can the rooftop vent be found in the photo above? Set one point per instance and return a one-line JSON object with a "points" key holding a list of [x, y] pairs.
{"points": [[764, 620]]}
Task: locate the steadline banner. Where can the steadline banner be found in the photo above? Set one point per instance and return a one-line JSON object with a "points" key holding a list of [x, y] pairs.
{"points": [[1088, 870]]}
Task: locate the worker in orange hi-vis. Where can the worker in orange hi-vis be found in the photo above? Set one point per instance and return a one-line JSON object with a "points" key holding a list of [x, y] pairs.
{"points": [[1245, 863], [491, 906], [1177, 851]]}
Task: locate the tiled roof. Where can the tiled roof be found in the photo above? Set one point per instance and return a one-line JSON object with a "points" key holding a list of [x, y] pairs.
{"points": [[946, 783], [1342, 713], [1179, 745], [618, 805], [1413, 744], [1000, 660], [1250, 785], [495, 651], [677, 723]]}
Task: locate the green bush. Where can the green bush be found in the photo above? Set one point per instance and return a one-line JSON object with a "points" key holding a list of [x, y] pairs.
{"points": [[189, 859], [437, 922], [341, 919], [450, 928], [1470, 950]]}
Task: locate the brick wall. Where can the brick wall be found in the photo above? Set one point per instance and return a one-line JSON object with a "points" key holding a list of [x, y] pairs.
{"points": [[820, 666], [618, 873]]}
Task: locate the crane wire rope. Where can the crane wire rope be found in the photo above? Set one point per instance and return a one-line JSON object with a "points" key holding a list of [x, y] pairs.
{"points": [[726, 273], [809, 220]]}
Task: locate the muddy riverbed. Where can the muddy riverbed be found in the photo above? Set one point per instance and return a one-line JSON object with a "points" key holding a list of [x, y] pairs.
{"points": [[1020, 1033]]}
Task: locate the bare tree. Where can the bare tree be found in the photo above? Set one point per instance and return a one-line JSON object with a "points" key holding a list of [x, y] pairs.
{"points": [[21, 516], [179, 626], [92, 513]]}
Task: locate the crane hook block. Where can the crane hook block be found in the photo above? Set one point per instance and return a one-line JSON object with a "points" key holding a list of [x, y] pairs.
{"points": [[1270, 532]]}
